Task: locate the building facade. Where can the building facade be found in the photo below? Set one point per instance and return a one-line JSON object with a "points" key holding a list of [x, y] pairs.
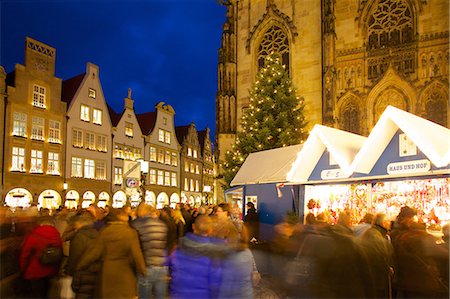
{"points": [[34, 127], [162, 183], [128, 145], [88, 140], [348, 59], [207, 184], [191, 164]]}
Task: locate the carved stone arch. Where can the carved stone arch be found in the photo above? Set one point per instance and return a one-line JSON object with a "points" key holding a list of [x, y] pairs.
{"points": [[434, 103], [398, 86], [366, 7], [390, 96], [349, 113], [272, 14]]}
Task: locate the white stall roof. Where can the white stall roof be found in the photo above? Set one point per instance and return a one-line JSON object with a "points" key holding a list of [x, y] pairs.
{"points": [[269, 166], [432, 139], [342, 146]]}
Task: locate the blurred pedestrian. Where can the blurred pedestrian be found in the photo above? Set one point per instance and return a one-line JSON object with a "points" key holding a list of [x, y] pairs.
{"points": [[117, 246], [224, 227], [251, 222], [153, 238], [37, 274]]}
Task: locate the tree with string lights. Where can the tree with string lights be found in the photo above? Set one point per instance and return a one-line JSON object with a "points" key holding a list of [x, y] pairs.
{"points": [[274, 118]]}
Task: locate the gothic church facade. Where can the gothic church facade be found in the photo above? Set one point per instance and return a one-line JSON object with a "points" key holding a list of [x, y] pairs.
{"points": [[348, 59]]}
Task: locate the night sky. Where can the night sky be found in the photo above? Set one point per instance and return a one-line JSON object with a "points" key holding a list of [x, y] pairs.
{"points": [[164, 50]]}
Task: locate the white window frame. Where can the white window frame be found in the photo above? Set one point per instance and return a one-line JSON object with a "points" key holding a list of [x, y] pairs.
{"points": [[118, 175], [100, 170], [54, 131], [166, 178], [39, 96], [101, 143], [97, 115], [153, 154], [174, 159], [20, 124], [92, 93], [160, 156], [89, 168], [77, 138], [152, 176], [53, 163], [85, 112], [129, 129], [167, 158], [160, 135], [76, 167], [167, 137], [37, 130], [89, 140], [160, 178], [36, 161], [18, 159], [173, 179]]}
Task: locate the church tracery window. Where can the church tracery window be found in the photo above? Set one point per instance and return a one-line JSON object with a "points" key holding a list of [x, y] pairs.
{"points": [[389, 97], [351, 117], [436, 107], [274, 41]]}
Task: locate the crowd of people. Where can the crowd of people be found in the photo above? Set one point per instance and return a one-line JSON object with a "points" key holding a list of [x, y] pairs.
{"points": [[204, 252], [138, 252]]}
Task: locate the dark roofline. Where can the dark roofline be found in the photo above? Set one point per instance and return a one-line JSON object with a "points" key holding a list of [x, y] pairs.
{"points": [[146, 121], [70, 87]]}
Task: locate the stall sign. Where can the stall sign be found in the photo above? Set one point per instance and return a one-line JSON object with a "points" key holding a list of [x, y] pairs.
{"points": [[330, 174], [416, 166]]}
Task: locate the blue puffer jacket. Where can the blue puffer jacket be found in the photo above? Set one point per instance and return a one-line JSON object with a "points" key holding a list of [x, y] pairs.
{"points": [[196, 267]]}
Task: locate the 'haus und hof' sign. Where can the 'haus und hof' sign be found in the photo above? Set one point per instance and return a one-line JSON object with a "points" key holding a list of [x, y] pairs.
{"points": [[415, 166]]}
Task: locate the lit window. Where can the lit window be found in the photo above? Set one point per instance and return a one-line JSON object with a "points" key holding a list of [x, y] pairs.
{"points": [[153, 154], [186, 167], [174, 179], [37, 131], [167, 137], [195, 154], [77, 167], [167, 159], [197, 188], [53, 163], [118, 175], [77, 138], [167, 178], [161, 156], [89, 141], [89, 169], [192, 168], [91, 93], [152, 176], [85, 113], [186, 184], [118, 151], [38, 96], [189, 152], [20, 124], [128, 129], [192, 185], [137, 153], [100, 170], [54, 132], [174, 159], [160, 177], [36, 161], [97, 116], [161, 135], [197, 169], [101, 143], [18, 159]]}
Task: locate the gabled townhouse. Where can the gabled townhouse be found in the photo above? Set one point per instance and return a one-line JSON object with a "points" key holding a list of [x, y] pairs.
{"points": [[88, 140], [190, 164], [128, 149], [207, 183], [162, 184], [34, 124]]}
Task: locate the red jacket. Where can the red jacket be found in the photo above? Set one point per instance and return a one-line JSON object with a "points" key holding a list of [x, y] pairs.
{"points": [[34, 245]]}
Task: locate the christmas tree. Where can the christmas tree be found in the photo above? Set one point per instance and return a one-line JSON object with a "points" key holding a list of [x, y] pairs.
{"points": [[273, 119]]}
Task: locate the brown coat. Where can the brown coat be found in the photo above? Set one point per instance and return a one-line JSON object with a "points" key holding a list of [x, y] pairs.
{"points": [[118, 248]]}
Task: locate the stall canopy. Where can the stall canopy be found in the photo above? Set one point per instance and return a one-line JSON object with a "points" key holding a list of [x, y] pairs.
{"points": [[432, 139], [343, 147], [269, 166]]}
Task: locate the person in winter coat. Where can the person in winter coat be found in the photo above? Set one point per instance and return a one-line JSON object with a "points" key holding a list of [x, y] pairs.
{"points": [[118, 248], [153, 237], [37, 274], [84, 281], [378, 248], [196, 263], [251, 221]]}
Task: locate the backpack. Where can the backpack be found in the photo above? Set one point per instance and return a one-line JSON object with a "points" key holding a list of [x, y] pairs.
{"points": [[51, 255]]}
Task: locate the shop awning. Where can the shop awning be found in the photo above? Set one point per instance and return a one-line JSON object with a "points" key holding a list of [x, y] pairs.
{"points": [[432, 139], [270, 166], [342, 146]]}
